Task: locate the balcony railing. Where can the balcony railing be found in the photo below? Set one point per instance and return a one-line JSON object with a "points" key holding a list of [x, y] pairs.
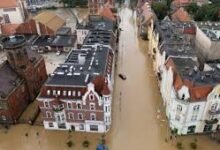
{"points": [[214, 112], [211, 121]]}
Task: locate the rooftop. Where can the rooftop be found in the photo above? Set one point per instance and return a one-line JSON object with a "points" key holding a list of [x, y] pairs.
{"points": [[64, 31], [8, 81], [81, 66], [99, 36], [8, 3], [50, 20], [96, 22]]}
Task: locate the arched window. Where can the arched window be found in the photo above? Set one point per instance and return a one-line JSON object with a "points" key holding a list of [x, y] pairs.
{"points": [[91, 97]]}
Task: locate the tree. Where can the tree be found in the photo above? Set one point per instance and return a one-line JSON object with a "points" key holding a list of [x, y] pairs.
{"points": [[192, 8], [160, 9]]}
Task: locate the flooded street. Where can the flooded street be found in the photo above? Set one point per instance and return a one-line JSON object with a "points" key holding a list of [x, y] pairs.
{"points": [[138, 121]]}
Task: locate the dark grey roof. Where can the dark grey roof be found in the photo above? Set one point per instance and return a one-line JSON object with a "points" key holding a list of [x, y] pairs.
{"points": [[64, 31], [188, 69], [8, 80], [99, 36], [63, 40], [58, 40], [81, 66], [43, 41], [96, 22]]}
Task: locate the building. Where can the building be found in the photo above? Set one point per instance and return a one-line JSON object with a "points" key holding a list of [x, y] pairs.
{"points": [[208, 39], [144, 16], [63, 43], [190, 96], [12, 11], [94, 22], [189, 87], [45, 23], [21, 78], [95, 5], [78, 95]]}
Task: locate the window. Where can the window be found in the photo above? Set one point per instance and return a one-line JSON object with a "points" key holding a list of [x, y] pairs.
{"points": [[106, 109], [3, 117], [69, 93], [179, 108], [80, 116], [214, 106], [6, 18], [50, 124], [48, 114], [9, 9], [92, 106], [54, 92], [93, 128], [74, 93], [194, 118], [92, 117], [69, 105], [91, 97], [48, 92], [79, 106], [196, 108], [177, 118], [70, 115], [64, 93], [81, 127], [58, 92], [79, 93], [46, 104], [183, 97]]}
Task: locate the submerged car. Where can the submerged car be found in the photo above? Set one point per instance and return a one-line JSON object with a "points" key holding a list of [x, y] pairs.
{"points": [[122, 76]]}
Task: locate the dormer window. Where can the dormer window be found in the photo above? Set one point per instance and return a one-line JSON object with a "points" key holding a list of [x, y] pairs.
{"points": [[91, 97], [183, 97]]}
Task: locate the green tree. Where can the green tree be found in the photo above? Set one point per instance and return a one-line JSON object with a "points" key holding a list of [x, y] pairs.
{"points": [[192, 8], [160, 9]]}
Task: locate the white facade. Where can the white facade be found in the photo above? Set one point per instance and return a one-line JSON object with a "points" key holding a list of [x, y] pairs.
{"points": [[13, 14], [81, 35], [185, 116]]}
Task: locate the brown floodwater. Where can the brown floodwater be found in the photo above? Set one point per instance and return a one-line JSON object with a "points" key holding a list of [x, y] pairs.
{"points": [[138, 119]]}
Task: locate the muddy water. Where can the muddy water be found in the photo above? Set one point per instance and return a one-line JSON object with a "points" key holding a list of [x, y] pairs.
{"points": [[138, 119]]}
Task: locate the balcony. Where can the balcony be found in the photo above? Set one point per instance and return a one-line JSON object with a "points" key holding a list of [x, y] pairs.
{"points": [[211, 121], [214, 112]]}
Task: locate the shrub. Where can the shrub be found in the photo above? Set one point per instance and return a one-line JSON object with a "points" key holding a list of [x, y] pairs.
{"points": [[179, 145], [193, 145], [69, 143], [85, 143]]}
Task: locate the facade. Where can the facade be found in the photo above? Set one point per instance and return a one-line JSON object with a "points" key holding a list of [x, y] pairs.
{"points": [[45, 23], [94, 22], [63, 43], [189, 86], [144, 16], [12, 11], [78, 95], [95, 5], [22, 76], [208, 39]]}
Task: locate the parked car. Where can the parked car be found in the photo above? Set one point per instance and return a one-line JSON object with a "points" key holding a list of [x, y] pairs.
{"points": [[122, 76]]}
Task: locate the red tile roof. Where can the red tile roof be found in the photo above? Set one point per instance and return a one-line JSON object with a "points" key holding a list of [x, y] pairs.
{"points": [[181, 15], [106, 90], [197, 92], [9, 29], [8, 3], [106, 12]]}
